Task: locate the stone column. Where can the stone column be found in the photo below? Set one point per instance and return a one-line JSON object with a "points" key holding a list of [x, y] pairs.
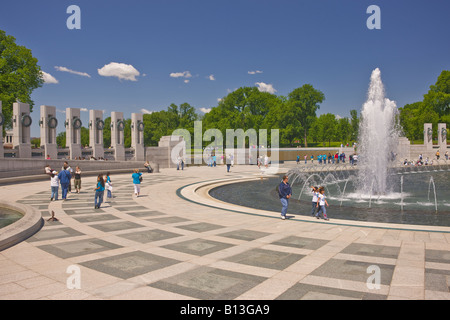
{"points": [[442, 137], [73, 132], [48, 124], [137, 136], [96, 125], [428, 135], [117, 138], [21, 129]]}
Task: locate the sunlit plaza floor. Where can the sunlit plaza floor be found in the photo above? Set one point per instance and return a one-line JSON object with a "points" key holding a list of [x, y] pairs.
{"points": [[169, 244]]}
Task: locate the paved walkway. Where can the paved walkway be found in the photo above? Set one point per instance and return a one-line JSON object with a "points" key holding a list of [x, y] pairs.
{"points": [[166, 244]]}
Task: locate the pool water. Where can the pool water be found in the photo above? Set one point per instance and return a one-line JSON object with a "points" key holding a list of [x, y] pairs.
{"points": [[8, 217]]}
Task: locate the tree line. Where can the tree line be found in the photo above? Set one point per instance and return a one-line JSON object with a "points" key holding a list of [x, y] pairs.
{"points": [[434, 108]]}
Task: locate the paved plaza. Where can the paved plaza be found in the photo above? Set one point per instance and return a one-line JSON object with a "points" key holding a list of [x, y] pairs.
{"points": [[173, 243]]}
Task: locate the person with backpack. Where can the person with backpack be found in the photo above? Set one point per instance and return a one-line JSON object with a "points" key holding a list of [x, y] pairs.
{"points": [[284, 193], [64, 179]]}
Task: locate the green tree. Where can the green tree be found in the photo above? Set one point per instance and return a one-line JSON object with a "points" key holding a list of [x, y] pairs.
{"points": [[354, 122], [438, 97], [244, 108], [326, 126], [19, 75], [343, 130], [434, 108], [303, 102]]}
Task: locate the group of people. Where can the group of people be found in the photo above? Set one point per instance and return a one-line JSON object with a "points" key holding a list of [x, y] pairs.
{"points": [[424, 161], [324, 159], [64, 177], [319, 202]]}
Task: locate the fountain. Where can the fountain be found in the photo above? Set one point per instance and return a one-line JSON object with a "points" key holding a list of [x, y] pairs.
{"points": [[371, 191], [378, 138]]}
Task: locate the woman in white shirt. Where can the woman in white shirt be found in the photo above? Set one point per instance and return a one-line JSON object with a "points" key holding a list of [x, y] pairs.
{"points": [[54, 184], [321, 203], [315, 192]]}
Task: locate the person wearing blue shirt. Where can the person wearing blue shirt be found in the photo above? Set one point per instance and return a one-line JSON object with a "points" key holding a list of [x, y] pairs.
{"points": [[99, 191], [136, 181], [64, 179], [284, 193]]}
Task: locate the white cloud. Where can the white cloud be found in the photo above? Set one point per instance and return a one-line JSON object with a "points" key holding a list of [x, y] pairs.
{"points": [[146, 111], [84, 109], [186, 81], [119, 70], [185, 74], [264, 87], [64, 69], [205, 110], [48, 78], [254, 72], [211, 77]]}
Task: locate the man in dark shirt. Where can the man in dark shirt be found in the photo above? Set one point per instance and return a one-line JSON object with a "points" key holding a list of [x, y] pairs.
{"points": [[284, 193]]}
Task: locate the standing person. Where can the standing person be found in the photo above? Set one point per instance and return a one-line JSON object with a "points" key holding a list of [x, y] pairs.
{"points": [[137, 182], [312, 159], [77, 179], [64, 178], [99, 191], [438, 154], [321, 203], [228, 163], [315, 192], [71, 175], [284, 193], [298, 159], [108, 186], [54, 185], [305, 158], [446, 155]]}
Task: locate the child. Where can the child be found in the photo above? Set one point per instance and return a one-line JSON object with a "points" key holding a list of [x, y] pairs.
{"points": [[321, 202], [108, 186], [99, 190], [54, 184], [315, 192]]}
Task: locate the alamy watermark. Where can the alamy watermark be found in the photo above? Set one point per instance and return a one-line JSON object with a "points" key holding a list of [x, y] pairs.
{"points": [[74, 20], [74, 280], [234, 146]]}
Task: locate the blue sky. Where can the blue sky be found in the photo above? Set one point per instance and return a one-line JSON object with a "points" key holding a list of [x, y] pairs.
{"points": [[215, 47]]}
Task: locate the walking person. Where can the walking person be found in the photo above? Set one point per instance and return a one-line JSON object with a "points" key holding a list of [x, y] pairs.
{"points": [[108, 186], [99, 191], [137, 178], [77, 179], [228, 163], [321, 203], [64, 179], [284, 193], [315, 192], [54, 185]]}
